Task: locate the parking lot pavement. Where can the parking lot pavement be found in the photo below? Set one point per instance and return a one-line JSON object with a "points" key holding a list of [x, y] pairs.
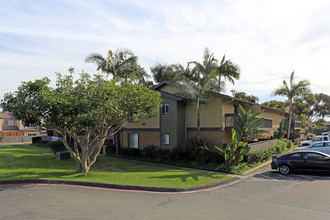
{"points": [[275, 176]]}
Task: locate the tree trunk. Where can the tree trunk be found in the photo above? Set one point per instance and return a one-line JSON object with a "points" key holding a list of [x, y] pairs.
{"points": [[219, 82], [198, 123], [289, 126]]}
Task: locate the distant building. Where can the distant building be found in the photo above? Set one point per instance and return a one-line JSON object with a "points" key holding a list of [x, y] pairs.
{"points": [[10, 127]]}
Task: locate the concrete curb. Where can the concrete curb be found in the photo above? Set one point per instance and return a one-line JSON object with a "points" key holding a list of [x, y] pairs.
{"points": [[120, 187], [255, 169]]}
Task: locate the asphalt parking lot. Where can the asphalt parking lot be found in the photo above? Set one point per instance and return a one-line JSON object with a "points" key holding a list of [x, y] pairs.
{"points": [[267, 174]]}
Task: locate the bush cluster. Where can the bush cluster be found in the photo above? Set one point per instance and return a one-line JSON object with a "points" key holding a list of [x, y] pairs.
{"points": [[266, 153], [56, 146], [199, 150], [200, 154]]}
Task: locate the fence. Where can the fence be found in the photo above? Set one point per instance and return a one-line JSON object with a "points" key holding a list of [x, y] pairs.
{"points": [[17, 139], [262, 144]]}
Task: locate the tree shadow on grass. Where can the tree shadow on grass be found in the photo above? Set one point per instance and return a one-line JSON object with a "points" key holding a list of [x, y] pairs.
{"points": [[37, 175], [185, 177]]}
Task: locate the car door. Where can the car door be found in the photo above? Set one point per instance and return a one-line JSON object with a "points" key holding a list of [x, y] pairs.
{"points": [[326, 148], [296, 161], [316, 161]]}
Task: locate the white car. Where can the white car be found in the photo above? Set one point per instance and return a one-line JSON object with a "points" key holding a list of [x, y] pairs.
{"points": [[314, 140], [323, 146]]}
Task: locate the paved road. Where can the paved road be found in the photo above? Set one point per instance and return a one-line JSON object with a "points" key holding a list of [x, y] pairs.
{"points": [[265, 195]]}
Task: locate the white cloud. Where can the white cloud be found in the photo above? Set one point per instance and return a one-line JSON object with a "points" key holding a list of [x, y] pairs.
{"points": [[267, 39]]}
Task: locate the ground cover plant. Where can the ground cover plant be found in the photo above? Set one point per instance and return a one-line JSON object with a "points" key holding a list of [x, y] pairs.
{"points": [[31, 162]]}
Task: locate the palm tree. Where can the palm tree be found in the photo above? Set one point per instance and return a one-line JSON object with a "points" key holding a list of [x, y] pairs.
{"points": [[163, 73], [229, 71], [244, 96], [197, 92], [291, 91], [121, 64]]}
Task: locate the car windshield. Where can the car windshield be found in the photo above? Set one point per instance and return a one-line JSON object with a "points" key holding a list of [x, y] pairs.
{"points": [[317, 145]]}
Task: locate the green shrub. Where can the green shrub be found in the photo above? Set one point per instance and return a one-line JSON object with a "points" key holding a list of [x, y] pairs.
{"points": [[56, 146], [110, 149], [149, 151], [266, 153], [197, 151], [131, 152]]}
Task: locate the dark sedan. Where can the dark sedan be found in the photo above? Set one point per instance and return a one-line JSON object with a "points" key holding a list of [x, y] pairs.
{"points": [[304, 160]]}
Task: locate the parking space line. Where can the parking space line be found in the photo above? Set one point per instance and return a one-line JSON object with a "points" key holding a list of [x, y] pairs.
{"points": [[267, 177], [306, 177], [282, 176]]}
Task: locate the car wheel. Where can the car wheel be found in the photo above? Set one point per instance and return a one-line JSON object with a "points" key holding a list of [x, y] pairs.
{"points": [[284, 169]]}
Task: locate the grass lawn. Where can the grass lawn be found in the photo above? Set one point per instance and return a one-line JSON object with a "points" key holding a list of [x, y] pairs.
{"points": [[31, 162]]}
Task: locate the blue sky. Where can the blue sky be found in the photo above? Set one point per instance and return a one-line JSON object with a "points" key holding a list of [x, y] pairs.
{"points": [[267, 39]]}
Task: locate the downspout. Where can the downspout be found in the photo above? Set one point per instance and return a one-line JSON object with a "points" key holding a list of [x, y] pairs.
{"points": [[222, 119]]}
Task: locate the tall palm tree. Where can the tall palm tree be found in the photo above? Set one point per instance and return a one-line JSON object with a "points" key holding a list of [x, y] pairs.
{"points": [[229, 71], [121, 64], [291, 91], [197, 92]]}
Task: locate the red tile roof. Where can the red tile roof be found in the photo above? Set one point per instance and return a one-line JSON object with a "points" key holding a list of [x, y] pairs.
{"points": [[7, 115]]}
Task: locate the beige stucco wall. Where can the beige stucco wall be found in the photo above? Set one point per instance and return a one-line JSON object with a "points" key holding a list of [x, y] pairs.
{"points": [[170, 89], [145, 138], [276, 116], [212, 136], [210, 114], [145, 123]]}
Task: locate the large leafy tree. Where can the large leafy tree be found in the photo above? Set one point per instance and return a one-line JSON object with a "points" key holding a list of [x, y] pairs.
{"points": [[244, 96], [275, 104], [292, 90], [89, 110], [321, 107]]}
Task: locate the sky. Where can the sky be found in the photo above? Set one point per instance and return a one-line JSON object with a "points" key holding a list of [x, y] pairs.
{"points": [[267, 39]]}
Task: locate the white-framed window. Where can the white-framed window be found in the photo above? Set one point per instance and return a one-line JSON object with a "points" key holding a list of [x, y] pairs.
{"points": [[166, 108], [9, 123], [133, 140], [166, 139]]}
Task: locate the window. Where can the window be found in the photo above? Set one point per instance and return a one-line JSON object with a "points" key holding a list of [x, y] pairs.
{"points": [[325, 138], [318, 145], [318, 139], [133, 140], [296, 155], [267, 123], [9, 123], [166, 139], [166, 109], [314, 156]]}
